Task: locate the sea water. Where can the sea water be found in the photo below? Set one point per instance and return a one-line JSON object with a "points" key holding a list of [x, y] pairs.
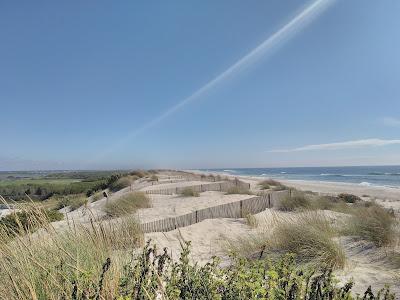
{"points": [[388, 176]]}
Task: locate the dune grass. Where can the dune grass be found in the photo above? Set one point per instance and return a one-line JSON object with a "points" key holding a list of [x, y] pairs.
{"points": [[189, 192], [239, 190], [268, 183], [251, 220], [120, 184], [72, 201], [372, 223], [349, 198], [308, 235], [153, 177], [97, 196], [68, 264], [297, 200], [127, 204]]}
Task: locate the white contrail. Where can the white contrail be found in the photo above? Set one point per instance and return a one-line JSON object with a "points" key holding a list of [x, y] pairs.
{"points": [[303, 18]]}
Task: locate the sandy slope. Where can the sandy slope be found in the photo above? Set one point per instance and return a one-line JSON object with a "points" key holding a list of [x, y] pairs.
{"points": [[366, 265]]}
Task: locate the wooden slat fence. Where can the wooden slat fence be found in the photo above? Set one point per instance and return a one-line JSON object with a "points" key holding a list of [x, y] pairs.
{"points": [[222, 186], [238, 209]]}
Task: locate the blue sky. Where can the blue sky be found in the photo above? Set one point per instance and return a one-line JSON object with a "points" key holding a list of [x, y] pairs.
{"points": [[87, 84]]}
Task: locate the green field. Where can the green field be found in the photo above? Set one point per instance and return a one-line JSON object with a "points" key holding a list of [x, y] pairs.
{"points": [[36, 181]]}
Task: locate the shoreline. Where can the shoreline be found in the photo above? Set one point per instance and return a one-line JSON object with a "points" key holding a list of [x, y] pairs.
{"points": [[388, 197]]}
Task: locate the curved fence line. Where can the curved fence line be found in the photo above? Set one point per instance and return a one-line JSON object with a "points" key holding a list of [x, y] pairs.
{"points": [[238, 209], [222, 186]]}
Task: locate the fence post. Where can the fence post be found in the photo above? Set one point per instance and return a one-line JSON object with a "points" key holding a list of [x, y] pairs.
{"points": [[197, 218], [241, 208]]}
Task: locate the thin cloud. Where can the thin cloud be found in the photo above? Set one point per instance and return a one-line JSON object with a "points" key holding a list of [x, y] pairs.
{"points": [[303, 18], [341, 145], [389, 121]]}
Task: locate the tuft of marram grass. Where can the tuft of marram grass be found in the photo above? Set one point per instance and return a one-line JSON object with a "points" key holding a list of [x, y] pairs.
{"points": [[309, 235], [127, 204], [251, 220], [97, 196], [238, 190], [51, 264], [72, 201], [189, 192], [121, 183], [372, 223], [297, 200]]}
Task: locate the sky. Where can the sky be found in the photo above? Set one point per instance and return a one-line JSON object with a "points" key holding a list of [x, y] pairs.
{"points": [[199, 84]]}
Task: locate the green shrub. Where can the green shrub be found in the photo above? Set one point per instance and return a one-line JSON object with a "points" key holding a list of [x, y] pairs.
{"points": [[155, 275], [127, 204], [295, 201], [97, 196], [374, 224], [189, 192], [349, 198], [238, 190]]}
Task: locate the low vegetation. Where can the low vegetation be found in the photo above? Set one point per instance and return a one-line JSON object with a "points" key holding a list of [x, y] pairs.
{"points": [[308, 235], [189, 192], [297, 200], [127, 204], [251, 220], [97, 196], [100, 261], [349, 198], [153, 178], [239, 190], [65, 265], [26, 220], [120, 184], [372, 223], [72, 201]]}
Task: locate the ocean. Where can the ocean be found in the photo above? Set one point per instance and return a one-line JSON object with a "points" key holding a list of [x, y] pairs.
{"points": [[388, 176]]}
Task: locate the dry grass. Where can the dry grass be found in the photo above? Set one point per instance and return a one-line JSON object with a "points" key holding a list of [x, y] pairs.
{"points": [[251, 220], [297, 200], [239, 190], [372, 223], [72, 201], [127, 204], [153, 178], [309, 236], [50, 264], [97, 196], [121, 183], [189, 192], [268, 183]]}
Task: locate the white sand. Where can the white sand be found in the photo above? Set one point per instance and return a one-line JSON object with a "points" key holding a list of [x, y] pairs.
{"points": [[165, 206]]}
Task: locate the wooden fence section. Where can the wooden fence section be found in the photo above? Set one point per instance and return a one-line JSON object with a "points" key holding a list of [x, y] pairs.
{"points": [[222, 186], [238, 209]]}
